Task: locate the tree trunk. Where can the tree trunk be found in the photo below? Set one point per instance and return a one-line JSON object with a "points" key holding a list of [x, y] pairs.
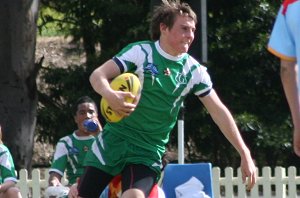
{"points": [[18, 98]]}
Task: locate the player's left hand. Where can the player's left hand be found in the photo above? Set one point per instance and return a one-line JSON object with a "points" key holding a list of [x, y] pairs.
{"points": [[248, 170]]}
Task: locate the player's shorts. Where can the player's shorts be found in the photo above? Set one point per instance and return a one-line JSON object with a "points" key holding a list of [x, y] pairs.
{"points": [[111, 154], [285, 38]]}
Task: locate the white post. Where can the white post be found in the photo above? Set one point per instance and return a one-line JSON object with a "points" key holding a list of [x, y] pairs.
{"points": [[180, 124]]}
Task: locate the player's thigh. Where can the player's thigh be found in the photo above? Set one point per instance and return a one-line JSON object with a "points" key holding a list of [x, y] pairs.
{"points": [[138, 176], [136, 193], [93, 182], [11, 192]]}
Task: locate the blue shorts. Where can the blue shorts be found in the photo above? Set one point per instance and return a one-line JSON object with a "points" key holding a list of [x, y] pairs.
{"points": [[285, 38]]}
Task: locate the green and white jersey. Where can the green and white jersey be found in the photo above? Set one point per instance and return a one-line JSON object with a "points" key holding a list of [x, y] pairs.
{"points": [[69, 155], [7, 167], [166, 81]]}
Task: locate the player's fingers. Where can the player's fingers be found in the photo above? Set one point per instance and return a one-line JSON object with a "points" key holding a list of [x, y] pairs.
{"points": [[72, 194], [251, 182], [128, 108], [251, 179], [244, 176], [128, 96], [137, 99], [125, 112]]}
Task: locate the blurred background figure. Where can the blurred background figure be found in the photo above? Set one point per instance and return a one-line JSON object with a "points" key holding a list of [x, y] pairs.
{"points": [[285, 44], [8, 181]]}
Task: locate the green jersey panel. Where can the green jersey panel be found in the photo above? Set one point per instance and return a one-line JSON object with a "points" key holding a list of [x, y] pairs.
{"points": [[70, 154], [7, 167], [166, 81]]}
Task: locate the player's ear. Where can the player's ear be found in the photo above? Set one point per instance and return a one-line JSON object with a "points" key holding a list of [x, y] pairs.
{"points": [[75, 119]]}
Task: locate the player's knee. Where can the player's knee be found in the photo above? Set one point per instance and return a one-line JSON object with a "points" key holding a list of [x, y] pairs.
{"points": [[133, 193], [12, 192]]}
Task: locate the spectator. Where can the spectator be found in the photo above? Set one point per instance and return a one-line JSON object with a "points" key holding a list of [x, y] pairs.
{"points": [[8, 187], [71, 150]]}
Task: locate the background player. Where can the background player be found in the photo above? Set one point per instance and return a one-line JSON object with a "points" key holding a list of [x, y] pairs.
{"points": [[285, 44], [71, 150]]}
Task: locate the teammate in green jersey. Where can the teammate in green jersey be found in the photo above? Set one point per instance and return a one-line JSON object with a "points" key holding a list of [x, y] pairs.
{"points": [[134, 146], [71, 150], [7, 170]]}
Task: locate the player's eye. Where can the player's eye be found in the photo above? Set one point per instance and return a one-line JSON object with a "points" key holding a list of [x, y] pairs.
{"points": [[91, 112]]}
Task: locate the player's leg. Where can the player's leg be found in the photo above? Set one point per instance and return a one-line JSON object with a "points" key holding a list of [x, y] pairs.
{"points": [[137, 181], [12, 192], [289, 80], [296, 31], [93, 182], [293, 25], [290, 73]]}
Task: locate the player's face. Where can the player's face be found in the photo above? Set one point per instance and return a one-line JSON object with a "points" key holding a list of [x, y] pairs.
{"points": [[85, 111], [178, 39]]}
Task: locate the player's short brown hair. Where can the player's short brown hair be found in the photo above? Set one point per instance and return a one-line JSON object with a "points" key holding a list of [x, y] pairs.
{"points": [[166, 13]]}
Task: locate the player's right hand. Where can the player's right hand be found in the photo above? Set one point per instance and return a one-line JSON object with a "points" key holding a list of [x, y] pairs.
{"points": [[73, 193]]}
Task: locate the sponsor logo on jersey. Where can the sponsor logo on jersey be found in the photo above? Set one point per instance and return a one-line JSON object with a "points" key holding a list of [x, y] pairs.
{"points": [[180, 79], [85, 148], [73, 151], [152, 69], [167, 72]]}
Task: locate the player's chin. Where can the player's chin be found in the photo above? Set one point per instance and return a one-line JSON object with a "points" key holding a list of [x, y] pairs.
{"points": [[184, 49]]}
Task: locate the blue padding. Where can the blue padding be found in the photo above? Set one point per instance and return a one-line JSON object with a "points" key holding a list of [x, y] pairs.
{"points": [[177, 174]]}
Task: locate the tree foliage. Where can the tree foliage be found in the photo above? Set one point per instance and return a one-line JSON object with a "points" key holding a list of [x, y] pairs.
{"points": [[109, 23], [245, 75]]}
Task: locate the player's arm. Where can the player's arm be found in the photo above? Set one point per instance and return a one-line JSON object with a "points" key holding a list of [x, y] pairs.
{"points": [[100, 79], [6, 185], [223, 118], [54, 179], [55, 173], [288, 74]]}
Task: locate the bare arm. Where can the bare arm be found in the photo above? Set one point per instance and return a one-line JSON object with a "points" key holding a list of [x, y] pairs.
{"points": [[6, 185], [223, 118], [100, 79], [101, 76], [288, 74]]}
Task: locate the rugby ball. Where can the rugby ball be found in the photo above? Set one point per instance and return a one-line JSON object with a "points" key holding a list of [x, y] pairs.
{"points": [[127, 82]]}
